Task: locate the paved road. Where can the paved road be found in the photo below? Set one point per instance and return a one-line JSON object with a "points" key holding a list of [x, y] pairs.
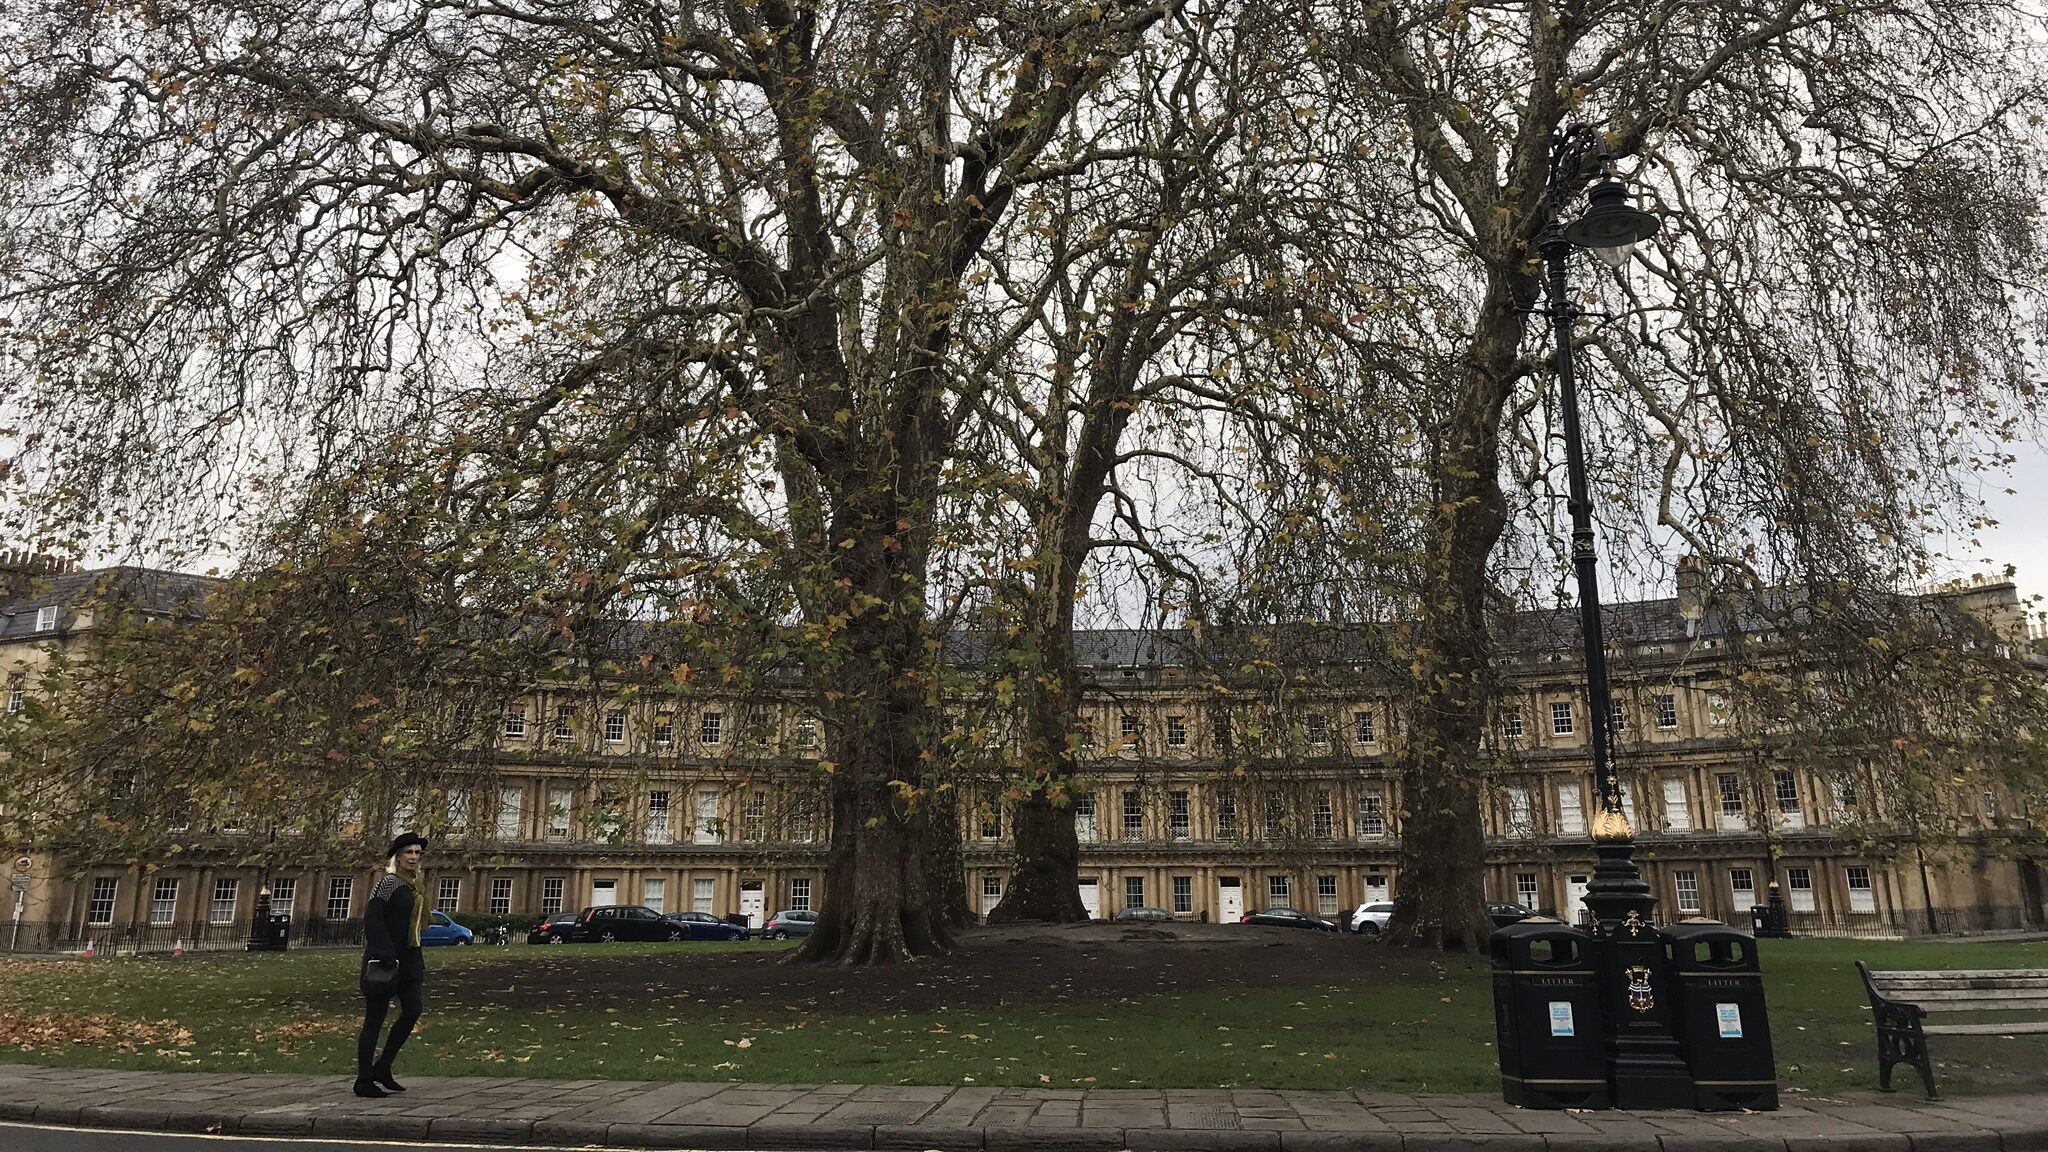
{"points": [[45, 1138]]}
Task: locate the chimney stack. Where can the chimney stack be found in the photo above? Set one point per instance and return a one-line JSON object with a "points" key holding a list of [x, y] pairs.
{"points": [[19, 569], [1692, 592]]}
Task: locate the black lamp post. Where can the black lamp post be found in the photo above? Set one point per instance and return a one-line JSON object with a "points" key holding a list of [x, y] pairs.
{"points": [[1643, 1052]]}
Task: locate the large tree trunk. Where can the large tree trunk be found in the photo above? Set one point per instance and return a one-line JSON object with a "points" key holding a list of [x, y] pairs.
{"points": [[878, 906], [1441, 902], [884, 720], [1043, 885], [945, 865]]}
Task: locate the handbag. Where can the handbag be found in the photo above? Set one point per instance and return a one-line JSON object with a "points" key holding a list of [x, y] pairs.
{"points": [[379, 974]]}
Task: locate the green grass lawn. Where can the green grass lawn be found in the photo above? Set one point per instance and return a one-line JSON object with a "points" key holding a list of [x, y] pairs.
{"points": [[296, 1013]]}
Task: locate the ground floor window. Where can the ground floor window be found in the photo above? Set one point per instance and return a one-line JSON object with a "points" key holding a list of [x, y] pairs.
{"points": [[501, 896], [100, 908], [1134, 891], [450, 897], [341, 894], [703, 895], [1742, 886], [1280, 891], [800, 894], [163, 902], [1183, 894], [1688, 887], [1525, 889], [991, 892], [654, 894], [225, 895], [550, 895], [1326, 895], [1799, 888], [1861, 897], [284, 897]]}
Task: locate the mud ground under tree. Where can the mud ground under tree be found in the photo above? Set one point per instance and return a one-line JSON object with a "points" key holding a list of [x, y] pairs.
{"points": [[1014, 964]]}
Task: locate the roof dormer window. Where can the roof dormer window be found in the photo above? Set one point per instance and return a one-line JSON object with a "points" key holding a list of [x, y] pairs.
{"points": [[46, 618]]}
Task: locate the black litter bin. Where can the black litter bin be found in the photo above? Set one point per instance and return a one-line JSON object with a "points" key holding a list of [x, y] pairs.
{"points": [[268, 932], [1724, 1032], [1773, 921], [1546, 1012]]}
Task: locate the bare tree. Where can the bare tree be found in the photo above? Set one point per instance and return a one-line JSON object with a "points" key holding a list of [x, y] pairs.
{"points": [[1829, 332], [706, 265]]}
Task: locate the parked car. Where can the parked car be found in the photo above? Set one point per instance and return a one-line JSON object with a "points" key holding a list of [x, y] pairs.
{"points": [[793, 923], [441, 930], [1506, 912], [1288, 918], [1143, 915], [615, 922], [705, 926], [1371, 918], [553, 929]]}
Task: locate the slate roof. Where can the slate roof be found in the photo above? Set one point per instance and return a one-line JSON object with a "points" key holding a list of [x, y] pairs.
{"points": [[162, 592], [156, 591]]}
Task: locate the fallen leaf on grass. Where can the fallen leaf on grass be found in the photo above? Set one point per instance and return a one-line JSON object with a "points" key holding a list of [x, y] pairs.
{"points": [[289, 1035], [54, 1032]]}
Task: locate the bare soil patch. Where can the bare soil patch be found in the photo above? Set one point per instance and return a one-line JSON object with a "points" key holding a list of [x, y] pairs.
{"points": [[995, 966]]}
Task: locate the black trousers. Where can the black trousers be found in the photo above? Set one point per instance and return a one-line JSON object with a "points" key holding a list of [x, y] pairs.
{"points": [[411, 997]]}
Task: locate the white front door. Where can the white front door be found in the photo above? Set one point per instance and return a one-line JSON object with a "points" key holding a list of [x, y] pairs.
{"points": [[604, 893], [753, 903], [1575, 897], [1376, 891], [1091, 897], [1229, 900]]}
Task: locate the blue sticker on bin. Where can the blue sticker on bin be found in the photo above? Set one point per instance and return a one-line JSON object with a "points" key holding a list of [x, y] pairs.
{"points": [[1730, 1017], [1561, 1018]]}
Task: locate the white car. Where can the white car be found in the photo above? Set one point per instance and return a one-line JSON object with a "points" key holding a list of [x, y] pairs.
{"points": [[1371, 918]]}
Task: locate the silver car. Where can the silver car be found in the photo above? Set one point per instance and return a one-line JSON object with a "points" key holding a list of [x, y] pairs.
{"points": [[1371, 918]]}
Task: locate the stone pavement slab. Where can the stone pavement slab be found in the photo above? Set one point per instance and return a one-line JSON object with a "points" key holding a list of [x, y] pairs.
{"points": [[975, 1118]]}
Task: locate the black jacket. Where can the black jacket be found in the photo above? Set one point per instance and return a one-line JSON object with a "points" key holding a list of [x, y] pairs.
{"points": [[387, 927]]}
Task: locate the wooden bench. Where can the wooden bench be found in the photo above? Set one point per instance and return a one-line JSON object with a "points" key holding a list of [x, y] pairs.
{"points": [[1901, 1000]]}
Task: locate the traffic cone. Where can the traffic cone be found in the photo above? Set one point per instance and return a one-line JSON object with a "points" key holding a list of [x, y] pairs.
{"points": [[178, 949], [88, 947]]}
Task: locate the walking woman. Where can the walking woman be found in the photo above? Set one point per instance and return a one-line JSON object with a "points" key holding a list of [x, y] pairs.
{"points": [[392, 965]]}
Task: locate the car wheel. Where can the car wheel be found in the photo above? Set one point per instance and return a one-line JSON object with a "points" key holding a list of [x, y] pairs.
{"points": [[778, 934], [675, 934], [1368, 929], [609, 938]]}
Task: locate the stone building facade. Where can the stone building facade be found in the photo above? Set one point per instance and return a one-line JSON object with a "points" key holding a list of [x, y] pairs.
{"points": [[1208, 810]]}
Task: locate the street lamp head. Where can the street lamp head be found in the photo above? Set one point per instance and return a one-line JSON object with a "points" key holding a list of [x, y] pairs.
{"points": [[1611, 229]]}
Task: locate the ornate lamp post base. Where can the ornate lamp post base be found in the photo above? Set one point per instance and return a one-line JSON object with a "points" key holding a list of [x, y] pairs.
{"points": [[1644, 1064]]}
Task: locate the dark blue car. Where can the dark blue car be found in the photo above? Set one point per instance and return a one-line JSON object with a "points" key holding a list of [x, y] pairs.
{"points": [[705, 926]]}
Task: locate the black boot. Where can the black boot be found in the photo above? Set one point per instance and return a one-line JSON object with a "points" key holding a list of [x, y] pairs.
{"points": [[381, 1076], [367, 1087]]}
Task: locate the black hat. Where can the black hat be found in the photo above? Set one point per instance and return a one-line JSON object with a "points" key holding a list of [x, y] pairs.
{"points": [[406, 840]]}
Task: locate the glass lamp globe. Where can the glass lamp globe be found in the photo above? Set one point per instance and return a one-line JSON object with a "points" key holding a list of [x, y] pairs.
{"points": [[1611, 229]]}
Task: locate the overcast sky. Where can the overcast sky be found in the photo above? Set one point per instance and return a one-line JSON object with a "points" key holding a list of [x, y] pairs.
{"points": [[2019, 538]]}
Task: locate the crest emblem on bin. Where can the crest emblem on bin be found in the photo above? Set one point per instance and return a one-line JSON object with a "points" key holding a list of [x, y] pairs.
{"points": [[1640, 997]]}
